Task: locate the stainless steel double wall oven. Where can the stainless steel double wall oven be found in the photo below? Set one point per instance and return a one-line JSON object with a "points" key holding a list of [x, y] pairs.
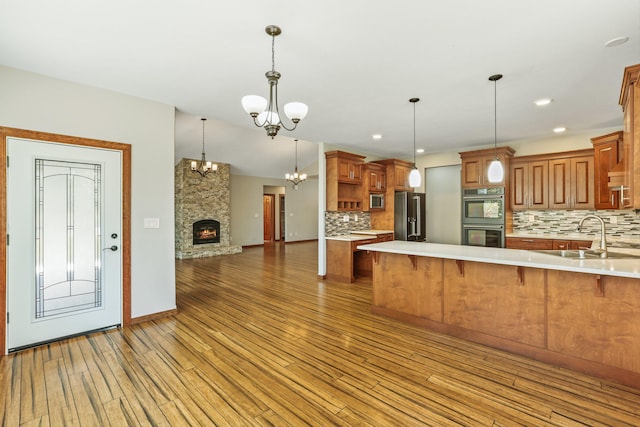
{"points": [[483, 217]]}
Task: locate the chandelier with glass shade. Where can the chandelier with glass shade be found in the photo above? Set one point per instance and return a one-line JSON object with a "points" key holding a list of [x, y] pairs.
{"points": [[265, 113], [296, 178], [203, 167]]}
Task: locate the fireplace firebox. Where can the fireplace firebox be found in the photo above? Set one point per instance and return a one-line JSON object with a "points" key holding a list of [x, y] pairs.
{"points": [[206, 231]]}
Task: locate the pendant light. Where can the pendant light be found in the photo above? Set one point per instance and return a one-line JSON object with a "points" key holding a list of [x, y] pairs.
{"points": [[265, 113], [203, 167], [295, 178], [414, 176], [496, 169]]}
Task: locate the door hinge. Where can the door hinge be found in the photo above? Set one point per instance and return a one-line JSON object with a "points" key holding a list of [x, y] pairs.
{"points": [[7, 239], [7, 317], [7, 161]]}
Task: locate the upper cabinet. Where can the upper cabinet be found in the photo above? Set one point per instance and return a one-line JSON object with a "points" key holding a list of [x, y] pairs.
{"points": [[397, 174], [625, 177], [529, 185], [349, 167], [607, 153], [344, 181], [571, 183], [553, 181], [375, 177], [475, 166]]}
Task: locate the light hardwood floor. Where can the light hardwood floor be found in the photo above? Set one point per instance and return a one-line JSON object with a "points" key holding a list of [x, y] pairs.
{"points": [[259, 340]]}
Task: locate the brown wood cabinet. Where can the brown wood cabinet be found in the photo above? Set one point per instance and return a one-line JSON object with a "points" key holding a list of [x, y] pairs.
{"points": [[397, 174], [529, 186], [345, 261], [571, 183], [375, 177], [397, 177], [607, 153], [586, 322], [475, 166], [344, 181], [553, 181], [625, 177], [545, 244]]}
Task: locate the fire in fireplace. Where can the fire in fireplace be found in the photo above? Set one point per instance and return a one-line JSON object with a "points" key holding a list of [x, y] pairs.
{"points": [[206, 231]]}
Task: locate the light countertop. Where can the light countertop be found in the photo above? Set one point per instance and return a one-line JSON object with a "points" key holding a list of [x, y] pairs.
{"points": [[359, 235], [372, 232], [351, 237], [517, 257]]}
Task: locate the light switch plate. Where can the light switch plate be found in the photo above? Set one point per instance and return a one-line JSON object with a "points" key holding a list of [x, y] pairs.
{"points": [[152, 223]]}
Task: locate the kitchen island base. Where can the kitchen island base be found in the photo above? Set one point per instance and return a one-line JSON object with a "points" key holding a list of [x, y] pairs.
{"points": [[584, 322]]}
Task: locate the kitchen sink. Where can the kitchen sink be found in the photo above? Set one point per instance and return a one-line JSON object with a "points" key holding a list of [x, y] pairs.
{"points": [[586, 254]]}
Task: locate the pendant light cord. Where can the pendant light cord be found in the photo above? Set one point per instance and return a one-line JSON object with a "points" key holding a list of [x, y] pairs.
{"points": [[414, 134], [495, 117]]}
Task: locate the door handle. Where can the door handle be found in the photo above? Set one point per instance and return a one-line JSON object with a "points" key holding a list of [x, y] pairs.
{"points": [[113, 248]]}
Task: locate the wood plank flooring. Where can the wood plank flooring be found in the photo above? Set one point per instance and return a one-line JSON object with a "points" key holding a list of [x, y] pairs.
{"points": [[259, 340]]}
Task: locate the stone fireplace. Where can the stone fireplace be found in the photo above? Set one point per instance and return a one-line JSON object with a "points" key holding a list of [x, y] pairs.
{"points": [[203, 212]]}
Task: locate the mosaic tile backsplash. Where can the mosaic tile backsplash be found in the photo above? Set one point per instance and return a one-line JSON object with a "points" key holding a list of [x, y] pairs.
{"points": [[624, 224], [335, 224]]}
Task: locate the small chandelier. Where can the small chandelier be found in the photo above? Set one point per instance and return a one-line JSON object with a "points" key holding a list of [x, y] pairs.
{"points": [[203, 167], [414, 176], [295, 177], [265, 113], [496, 170]]}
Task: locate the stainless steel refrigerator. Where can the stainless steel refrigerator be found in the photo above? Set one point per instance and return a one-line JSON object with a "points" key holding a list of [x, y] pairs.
{"points": [[409, 216]]}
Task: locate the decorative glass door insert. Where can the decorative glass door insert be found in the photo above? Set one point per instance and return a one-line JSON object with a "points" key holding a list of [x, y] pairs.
{"points": [[68, 237]]}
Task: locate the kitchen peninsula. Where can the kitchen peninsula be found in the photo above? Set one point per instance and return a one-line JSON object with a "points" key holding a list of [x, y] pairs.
{"points": [[581, 314]]}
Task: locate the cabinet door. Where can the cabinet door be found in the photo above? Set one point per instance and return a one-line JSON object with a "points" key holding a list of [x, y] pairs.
{"points": [[356, 171], [376, 181], [472, 172], [538, 185], [581, 178], [529, 185], [559, 184], [344, 169], [606, 156], [519, 183], [402, 177]]}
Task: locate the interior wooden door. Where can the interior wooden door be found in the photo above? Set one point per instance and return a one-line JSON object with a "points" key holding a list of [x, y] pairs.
{"points": [[268, 214], [282, 218]]}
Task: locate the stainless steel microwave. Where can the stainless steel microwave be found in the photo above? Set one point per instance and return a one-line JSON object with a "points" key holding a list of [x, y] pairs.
{"points": [[376, 201]]}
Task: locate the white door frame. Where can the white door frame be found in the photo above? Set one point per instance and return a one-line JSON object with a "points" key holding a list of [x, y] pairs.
{"points": [[125, 149]]}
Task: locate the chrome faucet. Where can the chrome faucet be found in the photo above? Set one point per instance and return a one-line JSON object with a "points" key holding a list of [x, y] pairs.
{"points": [[603, 233]]}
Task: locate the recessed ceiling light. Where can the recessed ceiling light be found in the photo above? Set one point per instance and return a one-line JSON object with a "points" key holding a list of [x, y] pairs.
{"points": [[376, 136], [559, 129], [420, 150], [617, 41], [543, 101]]}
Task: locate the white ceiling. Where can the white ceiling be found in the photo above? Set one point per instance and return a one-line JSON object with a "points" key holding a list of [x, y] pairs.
{"points": [[355, 63]]}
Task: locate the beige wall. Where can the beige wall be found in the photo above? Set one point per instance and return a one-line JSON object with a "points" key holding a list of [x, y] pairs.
{"points": [[301, 209], [34, 102]]}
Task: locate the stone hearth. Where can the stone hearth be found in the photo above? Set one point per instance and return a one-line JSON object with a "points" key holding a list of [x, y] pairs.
{"points": [[200, 198]]}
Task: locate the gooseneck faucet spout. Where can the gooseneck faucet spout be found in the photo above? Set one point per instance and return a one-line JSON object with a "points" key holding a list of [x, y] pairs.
{"points": [[603, 233]]}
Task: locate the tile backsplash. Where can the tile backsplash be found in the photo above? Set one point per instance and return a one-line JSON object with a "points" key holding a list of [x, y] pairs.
{"points": [[623, 224], [336, 225]]}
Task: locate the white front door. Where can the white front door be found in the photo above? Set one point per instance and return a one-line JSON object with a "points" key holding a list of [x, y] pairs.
{"points": [[64, 263]]}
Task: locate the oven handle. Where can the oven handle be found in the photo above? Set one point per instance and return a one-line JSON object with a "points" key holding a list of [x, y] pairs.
{"points": [[481, 197], [488, 227]]}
